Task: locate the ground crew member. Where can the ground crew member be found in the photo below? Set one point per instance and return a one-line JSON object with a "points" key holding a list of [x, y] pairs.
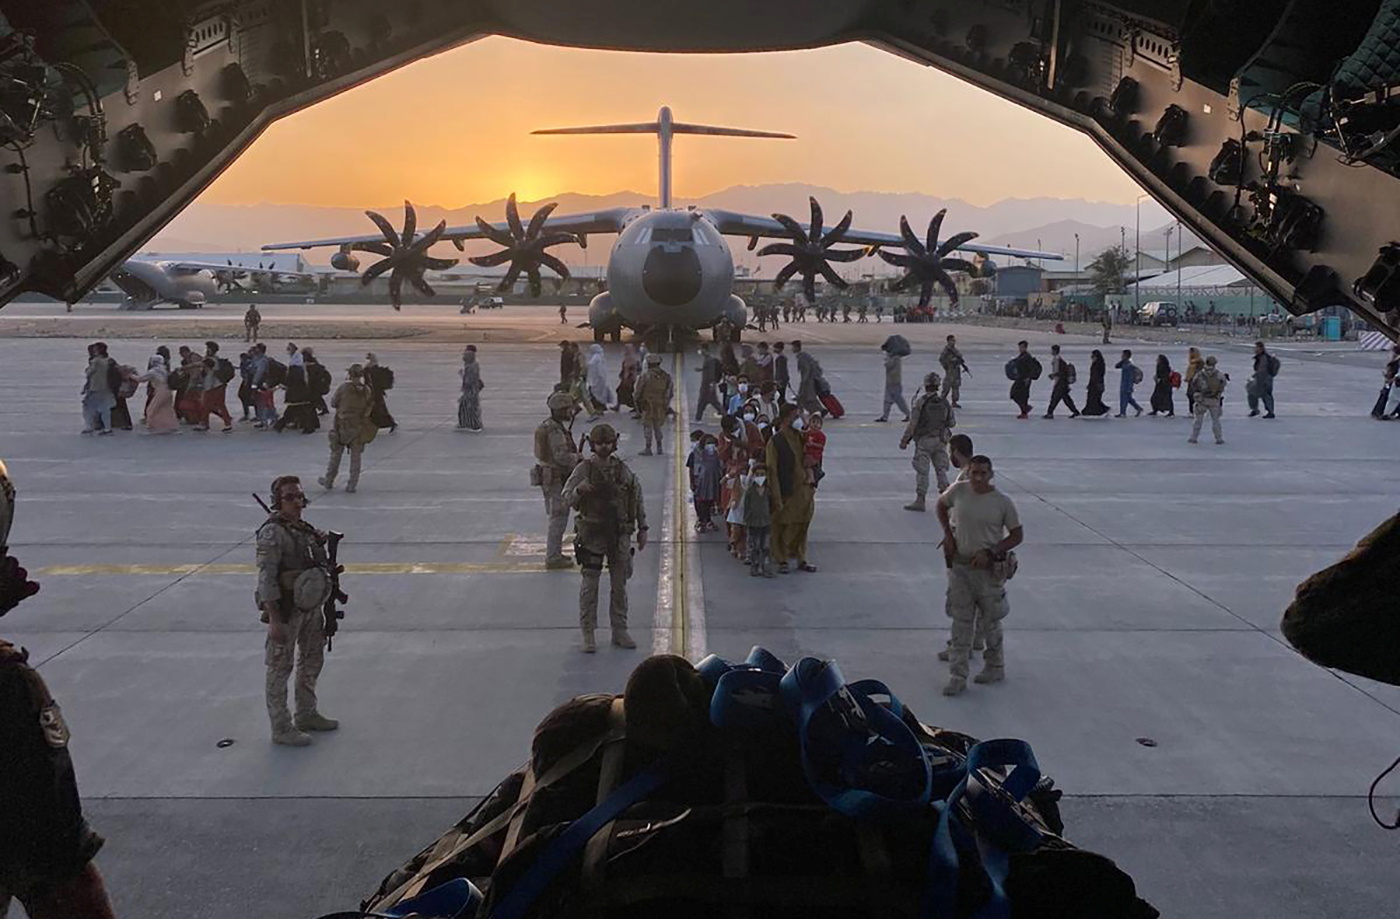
{"points": [[1207, 388], [353, 402], [556, 455], [251, 321], [654, 391], [46, 847], [987, 529], [292, 586], [930, 425], [951, 360], [608, 498]]}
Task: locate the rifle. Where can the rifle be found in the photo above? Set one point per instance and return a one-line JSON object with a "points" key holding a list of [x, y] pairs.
{"points": [[330, 614]]}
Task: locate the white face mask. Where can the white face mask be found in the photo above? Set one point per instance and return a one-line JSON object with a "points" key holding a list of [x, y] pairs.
{"points": [[763, 425], [798, 424], [710, 448], [743, 387], [760, 479], [749, 416]]}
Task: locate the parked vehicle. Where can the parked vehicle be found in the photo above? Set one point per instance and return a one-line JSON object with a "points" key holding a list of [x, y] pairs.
{"points": [[1158, 312]]}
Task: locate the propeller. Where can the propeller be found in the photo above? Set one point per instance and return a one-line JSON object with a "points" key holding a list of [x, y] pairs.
{"points": [[926, 263], [227, 280], [525, 248], [811, 251], [405, 254]]}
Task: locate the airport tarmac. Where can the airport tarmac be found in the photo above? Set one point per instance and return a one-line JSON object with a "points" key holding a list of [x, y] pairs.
{"points": [[1152, 581]]}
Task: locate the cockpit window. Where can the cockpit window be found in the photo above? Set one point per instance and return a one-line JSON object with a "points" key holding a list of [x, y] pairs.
{"points": [[671, 235]]}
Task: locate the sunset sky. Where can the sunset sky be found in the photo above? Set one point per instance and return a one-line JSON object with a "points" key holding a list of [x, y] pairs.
{"points": [[455, 130]]}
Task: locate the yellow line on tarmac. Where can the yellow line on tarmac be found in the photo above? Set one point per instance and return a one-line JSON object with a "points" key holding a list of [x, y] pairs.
{"points": [[680, 439], [353, 568]]}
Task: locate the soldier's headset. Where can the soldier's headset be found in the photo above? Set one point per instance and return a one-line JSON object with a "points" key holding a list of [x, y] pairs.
{"points": [[275, 499]]}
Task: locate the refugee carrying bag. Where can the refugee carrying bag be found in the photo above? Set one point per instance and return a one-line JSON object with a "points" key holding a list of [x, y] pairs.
{"points": [[223, 370], [732, 786], [1272, 365]]}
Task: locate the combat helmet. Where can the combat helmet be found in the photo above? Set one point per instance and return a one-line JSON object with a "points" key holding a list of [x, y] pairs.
{"points": [[931, 380], [653, 360], [559, 401], [602, 432]]}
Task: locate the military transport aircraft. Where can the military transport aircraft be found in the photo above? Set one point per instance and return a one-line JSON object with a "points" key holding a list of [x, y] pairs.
{"points": [[189, 284], [670, 268]]}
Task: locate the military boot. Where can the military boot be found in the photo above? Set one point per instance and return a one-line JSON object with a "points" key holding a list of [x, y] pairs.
{"points": [[622, 639], [326, 483], [956, 686], [990, 675], [916, 505], [315, 721], [590, 644], [290, 737]]}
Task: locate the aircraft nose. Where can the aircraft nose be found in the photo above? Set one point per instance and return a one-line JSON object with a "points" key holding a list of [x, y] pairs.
{"points": [[671, 278]]}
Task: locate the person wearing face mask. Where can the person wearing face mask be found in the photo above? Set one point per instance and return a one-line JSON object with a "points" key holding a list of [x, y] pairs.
{"points": [[608, 498], [741, 395], [793, 496], [768, 399], [706, 472], [758, 520], [556, 455]]}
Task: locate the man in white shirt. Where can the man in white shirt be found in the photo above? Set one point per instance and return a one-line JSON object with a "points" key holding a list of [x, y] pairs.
{"points": [[987, 527]]}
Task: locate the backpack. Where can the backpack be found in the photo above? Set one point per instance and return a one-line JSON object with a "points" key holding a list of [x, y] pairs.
{"points": [[1069, 373], [1011, 370], [1036, 369], [320, 378], [276, 373], [223, 370], [1272, 365], [1137, 374], [1175, 380]]}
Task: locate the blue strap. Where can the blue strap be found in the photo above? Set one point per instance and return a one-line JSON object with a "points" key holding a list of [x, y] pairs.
{"points": [[454, 899], [564, 847]]}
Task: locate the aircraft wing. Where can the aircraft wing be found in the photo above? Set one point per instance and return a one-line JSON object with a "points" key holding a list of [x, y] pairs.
{"points": [[610, 220], [191, 267], [733, 224]]}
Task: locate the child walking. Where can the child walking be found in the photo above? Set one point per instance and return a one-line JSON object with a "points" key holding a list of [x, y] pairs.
{"points": [[706, 474], [758, 520]]}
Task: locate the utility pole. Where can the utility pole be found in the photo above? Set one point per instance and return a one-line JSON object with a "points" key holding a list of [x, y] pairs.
{"points": [[1076, 257], [1137, 244]]}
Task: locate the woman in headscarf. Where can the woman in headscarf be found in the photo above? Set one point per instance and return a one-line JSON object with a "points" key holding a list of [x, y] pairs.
{"points": [[631, 369], [1162, 391], [599, 395], [1194, 365], [469, 402], [160, 410], [793, 493], [1093, 404]]}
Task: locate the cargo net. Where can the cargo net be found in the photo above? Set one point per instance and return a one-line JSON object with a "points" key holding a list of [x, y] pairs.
{"points": [[759, 790]]}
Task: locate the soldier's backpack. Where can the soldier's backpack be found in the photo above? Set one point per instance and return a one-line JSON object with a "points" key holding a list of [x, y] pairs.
{"points": [[224, 370], [276, 373], [1272, 364], [1069, 373], [765, 790]]}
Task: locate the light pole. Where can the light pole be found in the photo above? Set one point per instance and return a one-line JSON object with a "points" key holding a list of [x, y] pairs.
{"points": [[1076, 258], [1137, 244], [1038, 262], [1178, 264]]}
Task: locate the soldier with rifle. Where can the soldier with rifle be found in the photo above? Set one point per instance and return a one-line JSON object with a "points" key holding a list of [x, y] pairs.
{"points": [[46, 847], [608, 498], [298, 587]]}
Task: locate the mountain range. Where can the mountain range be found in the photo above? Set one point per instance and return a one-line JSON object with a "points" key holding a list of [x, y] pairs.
{"points": [[1046, 223]]}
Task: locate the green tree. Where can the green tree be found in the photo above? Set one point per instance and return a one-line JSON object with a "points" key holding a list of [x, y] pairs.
{"points": [[1109, 269]]}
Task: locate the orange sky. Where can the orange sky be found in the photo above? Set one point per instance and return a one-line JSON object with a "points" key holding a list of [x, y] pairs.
{"points": [[454, 130]]}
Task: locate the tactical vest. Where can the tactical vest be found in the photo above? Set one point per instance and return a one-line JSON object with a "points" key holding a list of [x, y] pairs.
{"points": [[654, 385], [931, 420], [544, 454], [608, 509]]}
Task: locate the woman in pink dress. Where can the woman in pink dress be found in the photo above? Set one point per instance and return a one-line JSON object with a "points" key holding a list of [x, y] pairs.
{"points": [[160, 411]]}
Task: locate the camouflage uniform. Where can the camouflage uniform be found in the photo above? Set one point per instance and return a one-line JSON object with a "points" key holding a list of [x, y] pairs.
{"points": [[45, 844], [951, 360], [607, 517], [556, 455], [352, 402], [653, 394], [930, 424], [285, 549], [1207, 388]]}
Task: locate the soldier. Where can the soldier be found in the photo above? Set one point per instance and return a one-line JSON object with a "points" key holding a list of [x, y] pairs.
{"points": [[653, 393], [555, 457], [608, 498], [930, 426], [951, 360], [1207, 389], [353, 403], [46, 847], [979, 565], [293, 584], [251, 321]]}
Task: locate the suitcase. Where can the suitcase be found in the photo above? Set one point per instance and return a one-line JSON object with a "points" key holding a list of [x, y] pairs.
{"points": [[833, 405]]}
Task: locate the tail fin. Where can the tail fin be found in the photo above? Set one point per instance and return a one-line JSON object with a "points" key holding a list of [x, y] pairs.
{"points": [[663, 127]]}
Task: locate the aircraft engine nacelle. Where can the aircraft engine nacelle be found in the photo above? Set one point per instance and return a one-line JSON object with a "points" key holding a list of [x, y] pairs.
{"points": [[736, 312], [345, 261], [603, 315]]}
